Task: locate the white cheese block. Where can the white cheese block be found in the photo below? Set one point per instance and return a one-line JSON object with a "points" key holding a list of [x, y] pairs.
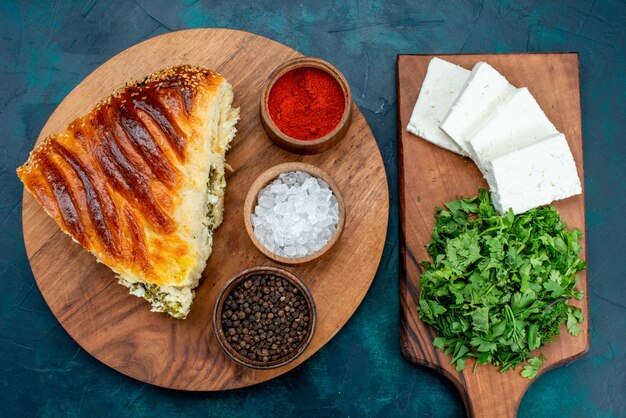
{"points": [[515, 124], [441, 86], [484, 91], [534, 176]]}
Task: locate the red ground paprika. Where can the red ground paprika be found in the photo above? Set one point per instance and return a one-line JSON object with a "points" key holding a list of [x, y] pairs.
{"points": [[306, 103]]}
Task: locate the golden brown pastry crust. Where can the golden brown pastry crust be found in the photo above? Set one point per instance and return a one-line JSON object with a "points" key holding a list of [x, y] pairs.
{"points": [[112, 179]]}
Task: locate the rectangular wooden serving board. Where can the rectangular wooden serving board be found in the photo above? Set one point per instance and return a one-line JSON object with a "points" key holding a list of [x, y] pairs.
{"points": [[431, 176]]}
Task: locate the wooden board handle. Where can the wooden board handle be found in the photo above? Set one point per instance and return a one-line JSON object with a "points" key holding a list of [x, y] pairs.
{"points": [[492, 400]]}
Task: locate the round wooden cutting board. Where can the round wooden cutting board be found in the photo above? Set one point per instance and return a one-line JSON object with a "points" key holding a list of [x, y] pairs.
{"points": [[119, 329]]}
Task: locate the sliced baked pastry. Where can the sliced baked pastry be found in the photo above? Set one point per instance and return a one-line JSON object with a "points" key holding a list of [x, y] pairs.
{"points": [[139, 180]]}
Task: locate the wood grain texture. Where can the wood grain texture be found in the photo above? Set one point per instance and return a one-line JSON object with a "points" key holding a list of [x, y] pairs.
{"points": [[119, 329], [430, 176]]}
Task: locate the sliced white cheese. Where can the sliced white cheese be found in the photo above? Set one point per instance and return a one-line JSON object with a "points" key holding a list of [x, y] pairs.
{"points": [[441, 86], [534, 176], [483, 92], [515, 124]]}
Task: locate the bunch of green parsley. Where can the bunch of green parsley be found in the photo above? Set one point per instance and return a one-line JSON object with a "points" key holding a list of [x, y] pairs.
{"points": [[498, 286]]}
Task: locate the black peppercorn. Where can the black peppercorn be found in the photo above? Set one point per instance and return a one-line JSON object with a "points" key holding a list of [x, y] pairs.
{"points": [[266, 318]]}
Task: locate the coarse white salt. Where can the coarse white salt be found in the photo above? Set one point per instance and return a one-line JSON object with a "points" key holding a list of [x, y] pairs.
{"points": [[296, 215]]}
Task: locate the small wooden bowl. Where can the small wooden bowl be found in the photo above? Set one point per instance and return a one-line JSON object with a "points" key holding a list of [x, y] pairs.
{"points": [[263, 180], [219, 307], [313, 146]]}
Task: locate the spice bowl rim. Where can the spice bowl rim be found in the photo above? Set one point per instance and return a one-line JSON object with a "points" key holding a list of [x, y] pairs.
{"points": [[268, 176], [235, 280], [312, 146]]}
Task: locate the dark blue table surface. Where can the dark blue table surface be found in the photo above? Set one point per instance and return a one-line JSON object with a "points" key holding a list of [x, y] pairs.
{"points": [[48, 47]]}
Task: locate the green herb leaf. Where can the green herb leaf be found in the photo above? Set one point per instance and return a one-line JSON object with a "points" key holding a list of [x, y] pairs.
{"points": [[497, 286], [530, 372], [460, 365], [574, 316], [439, 342], [480, 319], [534, 341]]}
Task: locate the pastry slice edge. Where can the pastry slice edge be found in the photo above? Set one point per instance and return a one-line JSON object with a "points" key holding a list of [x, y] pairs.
{"points": [[139, 181]]}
